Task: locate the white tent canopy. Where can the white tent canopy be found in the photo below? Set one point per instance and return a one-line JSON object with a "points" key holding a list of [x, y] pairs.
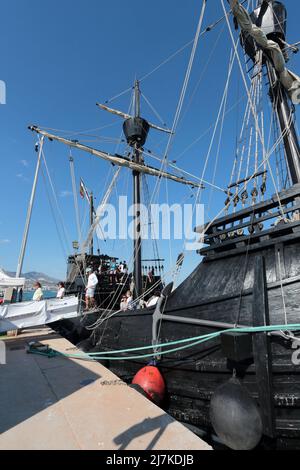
{"points": [[7, 281]]}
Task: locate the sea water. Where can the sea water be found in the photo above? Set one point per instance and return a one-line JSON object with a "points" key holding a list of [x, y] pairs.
{"points": [[48, 294]]}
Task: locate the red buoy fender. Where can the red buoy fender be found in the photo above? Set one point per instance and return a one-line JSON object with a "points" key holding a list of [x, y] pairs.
{"points": [[151, 381]]}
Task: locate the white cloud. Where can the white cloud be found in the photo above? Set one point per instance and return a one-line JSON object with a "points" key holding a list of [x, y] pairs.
{"points": [[22, 177], [24, 163], [4, 241], [66, 193]]}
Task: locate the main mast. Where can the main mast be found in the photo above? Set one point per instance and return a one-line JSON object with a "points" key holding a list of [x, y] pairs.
{"points": [[265, 29], [137, 157], [285, 119]]}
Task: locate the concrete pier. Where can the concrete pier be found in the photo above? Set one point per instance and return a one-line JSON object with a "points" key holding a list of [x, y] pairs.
{"points": [[63, 403]]}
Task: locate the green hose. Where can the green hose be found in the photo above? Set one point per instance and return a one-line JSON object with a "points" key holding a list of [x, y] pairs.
{"points": [[194, 342]]}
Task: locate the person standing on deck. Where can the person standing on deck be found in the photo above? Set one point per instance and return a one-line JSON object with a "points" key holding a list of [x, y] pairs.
{"points": [[150, 276], [130, 303], [112, 270], [123, 304], [38, 293], [90, 289], [124, 271], [61, 291]]}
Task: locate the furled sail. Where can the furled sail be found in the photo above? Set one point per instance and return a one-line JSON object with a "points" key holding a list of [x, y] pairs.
{"points": [[289, 80]]}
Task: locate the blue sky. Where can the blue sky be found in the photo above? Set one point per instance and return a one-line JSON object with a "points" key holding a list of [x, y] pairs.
{"points": [[57, 59]]}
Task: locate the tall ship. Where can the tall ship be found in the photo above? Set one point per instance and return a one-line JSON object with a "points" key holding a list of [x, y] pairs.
{"points": [[225, 341]]}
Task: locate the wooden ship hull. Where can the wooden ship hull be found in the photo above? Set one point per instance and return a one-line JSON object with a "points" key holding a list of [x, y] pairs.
{"points": [[249, 275], [229, 287]]}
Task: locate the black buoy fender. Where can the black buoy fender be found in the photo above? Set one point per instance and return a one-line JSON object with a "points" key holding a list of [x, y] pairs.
{"points": [[235, 416]]}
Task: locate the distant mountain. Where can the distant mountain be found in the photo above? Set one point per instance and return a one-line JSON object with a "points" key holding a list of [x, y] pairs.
{"points": [[33, 276]]}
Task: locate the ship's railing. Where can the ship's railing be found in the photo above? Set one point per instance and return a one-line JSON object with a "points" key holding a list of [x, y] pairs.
{"points": [[277, 217]]}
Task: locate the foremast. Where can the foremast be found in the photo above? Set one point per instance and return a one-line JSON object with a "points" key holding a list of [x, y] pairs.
{"points": [[136, 131], [137, 157]]}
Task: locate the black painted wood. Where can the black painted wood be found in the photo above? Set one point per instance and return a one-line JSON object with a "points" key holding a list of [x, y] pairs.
{"points": [[219, 290], [285, 197], [253, 221], [261, 348], [259, 237], [235, 248]]}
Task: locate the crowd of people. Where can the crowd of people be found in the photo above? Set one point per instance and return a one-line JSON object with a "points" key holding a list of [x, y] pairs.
{"points": [[117, 272], [127, 302]]}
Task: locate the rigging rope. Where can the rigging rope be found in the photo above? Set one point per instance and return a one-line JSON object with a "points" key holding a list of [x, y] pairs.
{"points": [[281, 286], [205, 31], [155, 112], [182, 95], [252, 107], [64, 249], [184, 172], [203, 71], [220, 138], [75, 133], [63, 225], [203, 134], [198, 197], [209, 225]]}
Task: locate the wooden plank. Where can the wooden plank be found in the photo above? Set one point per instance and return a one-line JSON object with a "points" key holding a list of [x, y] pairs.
{"points": [[262, 349], [280, 262]]}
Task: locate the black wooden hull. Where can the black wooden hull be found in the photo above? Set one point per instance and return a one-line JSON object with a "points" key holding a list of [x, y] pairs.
{"points": [[192, 377], [223, 289], [213, 292]]}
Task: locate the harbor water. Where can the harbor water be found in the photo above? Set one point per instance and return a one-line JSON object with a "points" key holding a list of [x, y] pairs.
{"points": [[48, 294]]}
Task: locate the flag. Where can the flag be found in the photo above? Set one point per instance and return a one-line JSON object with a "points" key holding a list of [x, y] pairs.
{"points": [[83, 191]]}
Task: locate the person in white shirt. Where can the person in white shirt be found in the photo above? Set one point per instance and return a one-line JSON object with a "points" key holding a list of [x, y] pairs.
{"points": [[90, 289], [38, 293], [130, 303], [153, 300], [123, 304], [124, 271], [61, 291]]}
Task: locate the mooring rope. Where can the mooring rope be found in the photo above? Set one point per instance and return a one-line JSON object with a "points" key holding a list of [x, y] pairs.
{"points": [[194, 342]]}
